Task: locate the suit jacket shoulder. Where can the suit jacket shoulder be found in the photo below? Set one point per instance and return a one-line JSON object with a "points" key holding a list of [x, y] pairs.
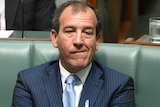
{"points": [[41, 86]]}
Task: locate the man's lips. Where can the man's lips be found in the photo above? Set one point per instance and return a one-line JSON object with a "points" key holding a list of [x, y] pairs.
{"points": [[78, 51]]}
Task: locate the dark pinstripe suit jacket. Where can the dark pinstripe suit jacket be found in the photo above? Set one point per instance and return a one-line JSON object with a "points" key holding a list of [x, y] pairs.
{"points": [[41, 87], [37, 14]]}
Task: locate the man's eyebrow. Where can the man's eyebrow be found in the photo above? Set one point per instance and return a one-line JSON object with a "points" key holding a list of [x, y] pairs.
{"points": [[89, 27], [69, 26], [72, 27]]}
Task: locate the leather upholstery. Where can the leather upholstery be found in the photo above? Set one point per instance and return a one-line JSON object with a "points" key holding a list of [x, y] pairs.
{"points": [[140, 62]]}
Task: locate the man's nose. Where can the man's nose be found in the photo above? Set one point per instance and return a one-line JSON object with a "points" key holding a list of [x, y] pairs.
{"points": [[78, 40]]}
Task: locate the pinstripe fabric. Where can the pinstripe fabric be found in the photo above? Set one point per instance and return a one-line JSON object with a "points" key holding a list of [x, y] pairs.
{"points": [[104, 87]]}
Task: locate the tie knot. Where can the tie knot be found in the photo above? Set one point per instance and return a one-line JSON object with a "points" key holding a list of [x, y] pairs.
{"points": [[72, 79]]}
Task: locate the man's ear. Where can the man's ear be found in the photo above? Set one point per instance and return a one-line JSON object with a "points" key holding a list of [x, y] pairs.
{"points": [[53, 35]]}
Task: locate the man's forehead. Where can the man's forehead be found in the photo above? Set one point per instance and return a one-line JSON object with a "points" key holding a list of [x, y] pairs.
{"points": [[71, 11]]}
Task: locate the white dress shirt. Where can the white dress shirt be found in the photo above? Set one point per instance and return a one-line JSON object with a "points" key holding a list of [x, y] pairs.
{"points": [[2, 15], [81, 74]]}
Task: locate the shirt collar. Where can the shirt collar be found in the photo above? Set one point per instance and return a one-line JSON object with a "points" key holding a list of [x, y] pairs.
{"points": [[82, 74]]}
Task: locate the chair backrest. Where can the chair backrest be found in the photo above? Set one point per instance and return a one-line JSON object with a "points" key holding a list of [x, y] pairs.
{"points": [[18, 55], [148, 77], [140, 62]]}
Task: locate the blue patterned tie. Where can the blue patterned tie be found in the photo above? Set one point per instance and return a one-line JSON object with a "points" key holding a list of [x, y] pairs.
{"points": [[69, 95]]}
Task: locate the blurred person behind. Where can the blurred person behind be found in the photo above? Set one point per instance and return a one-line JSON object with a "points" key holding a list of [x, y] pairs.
{"points": [[31, 14]]}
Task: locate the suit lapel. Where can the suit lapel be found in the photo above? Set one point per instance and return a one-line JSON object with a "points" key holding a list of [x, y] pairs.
{"points": [[92, 86], [10, 11], [53, 86]]}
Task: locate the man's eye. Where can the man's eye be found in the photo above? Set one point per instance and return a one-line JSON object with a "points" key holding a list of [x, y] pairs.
{"points": [[89, 33], [69, 31]]}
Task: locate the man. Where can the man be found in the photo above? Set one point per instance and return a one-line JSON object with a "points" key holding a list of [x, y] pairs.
{"points": [[76, 31], [32, 14]]}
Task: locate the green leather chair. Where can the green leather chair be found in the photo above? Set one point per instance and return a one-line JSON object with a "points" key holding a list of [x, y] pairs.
{"points": [[140, 62]]}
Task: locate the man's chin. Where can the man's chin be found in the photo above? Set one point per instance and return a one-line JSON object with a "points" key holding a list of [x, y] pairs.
{"points": [[80, 64]]}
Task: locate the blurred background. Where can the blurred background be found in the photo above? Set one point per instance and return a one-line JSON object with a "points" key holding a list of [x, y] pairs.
{"points": [[121, 18], [124, 18]]}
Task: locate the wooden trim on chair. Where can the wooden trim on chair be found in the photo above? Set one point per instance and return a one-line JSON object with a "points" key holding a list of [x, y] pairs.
{"points": [[142, 38], [132, 40], [140, 41]]}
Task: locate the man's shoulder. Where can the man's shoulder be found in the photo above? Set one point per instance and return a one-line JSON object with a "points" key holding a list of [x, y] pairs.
{"points": [[112, 77], [39, 69], [110, 72]]}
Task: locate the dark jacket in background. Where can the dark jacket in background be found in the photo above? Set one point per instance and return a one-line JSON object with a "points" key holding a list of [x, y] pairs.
{"points": [[37, 14]]}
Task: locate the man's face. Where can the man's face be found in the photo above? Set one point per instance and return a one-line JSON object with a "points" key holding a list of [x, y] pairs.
{"points": [[76, 39]]}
